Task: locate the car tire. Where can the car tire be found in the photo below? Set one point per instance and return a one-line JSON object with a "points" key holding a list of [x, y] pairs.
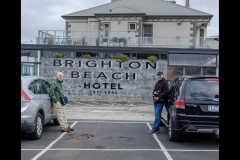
{"points": [[37, 134], [55, 122], [173, 135]]}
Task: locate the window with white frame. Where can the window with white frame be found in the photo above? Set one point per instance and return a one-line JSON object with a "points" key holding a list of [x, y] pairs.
{"points": [[148, 33], [132, 26], [106, 29]]}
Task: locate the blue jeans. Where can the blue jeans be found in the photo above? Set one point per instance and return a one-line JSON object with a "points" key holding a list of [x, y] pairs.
{"points": [[157, 111]]}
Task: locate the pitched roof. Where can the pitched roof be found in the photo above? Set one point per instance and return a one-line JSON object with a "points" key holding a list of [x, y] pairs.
{"points": [[147, 7], [120, 10]]}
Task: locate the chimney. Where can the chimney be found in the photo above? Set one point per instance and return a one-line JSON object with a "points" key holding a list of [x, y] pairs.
{"points": [[187, 4], [114, 1]]}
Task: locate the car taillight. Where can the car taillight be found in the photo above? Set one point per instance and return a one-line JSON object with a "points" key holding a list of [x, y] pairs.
{"points": [[24, 96], [180, 104], [191, 127]]}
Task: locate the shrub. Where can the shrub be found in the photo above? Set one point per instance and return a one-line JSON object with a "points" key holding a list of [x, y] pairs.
{"points": [[58, 55], [123, 57], [152, 58], [87, 56], [115, 57]]}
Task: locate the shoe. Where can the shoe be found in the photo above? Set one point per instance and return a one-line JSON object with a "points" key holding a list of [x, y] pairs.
{"points": [[65, 130], [153, 131], [70, 129]]}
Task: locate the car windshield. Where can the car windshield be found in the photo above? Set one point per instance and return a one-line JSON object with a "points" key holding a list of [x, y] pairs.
{"points": [[205, 89]]}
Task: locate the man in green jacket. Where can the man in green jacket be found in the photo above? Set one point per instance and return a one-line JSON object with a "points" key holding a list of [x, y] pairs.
{"points": [[56, 91]]}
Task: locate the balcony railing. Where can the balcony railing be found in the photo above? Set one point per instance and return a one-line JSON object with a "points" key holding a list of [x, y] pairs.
{"points": [[117, 39]]}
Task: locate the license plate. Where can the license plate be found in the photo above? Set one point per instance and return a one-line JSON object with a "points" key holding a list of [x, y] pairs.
{"points": [[213, 108]]}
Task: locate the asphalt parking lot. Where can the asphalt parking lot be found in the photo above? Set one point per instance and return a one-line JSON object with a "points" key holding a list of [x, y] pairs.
{"points": [[120, 138]]}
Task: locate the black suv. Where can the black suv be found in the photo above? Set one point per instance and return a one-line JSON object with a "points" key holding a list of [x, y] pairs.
{"points": [[194, 106]]}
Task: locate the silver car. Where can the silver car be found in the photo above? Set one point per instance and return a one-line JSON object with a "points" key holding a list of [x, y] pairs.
{"points": [[36, 106]]}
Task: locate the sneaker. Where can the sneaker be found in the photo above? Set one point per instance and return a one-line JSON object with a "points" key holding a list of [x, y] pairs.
{"points": [[65, 130], [70, 129], [153, 131]]}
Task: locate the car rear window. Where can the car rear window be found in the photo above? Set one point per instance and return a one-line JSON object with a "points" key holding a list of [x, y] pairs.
{"points": [[207, 89]]}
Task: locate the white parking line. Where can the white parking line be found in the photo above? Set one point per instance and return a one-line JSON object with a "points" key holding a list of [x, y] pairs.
{"points": [[50, 145], [191, 150], [90, 149], [78, 149], [100, 121], [31, 149], [160, 144]]}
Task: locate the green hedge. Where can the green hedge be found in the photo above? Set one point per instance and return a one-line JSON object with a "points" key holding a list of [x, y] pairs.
{"points": [[87, 56], [152, 58], [58, 55], [123, 57]]}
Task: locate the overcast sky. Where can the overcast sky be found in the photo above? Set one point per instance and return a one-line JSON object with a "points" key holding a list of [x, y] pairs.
{"points": [[46, 14]]}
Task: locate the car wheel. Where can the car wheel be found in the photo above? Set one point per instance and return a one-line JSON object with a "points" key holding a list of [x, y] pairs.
{"points": [[38, 128], [173, 135], [55, 122]]}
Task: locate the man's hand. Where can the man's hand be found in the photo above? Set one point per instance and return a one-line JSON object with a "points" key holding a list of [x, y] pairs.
{"points": [[156, 98]]}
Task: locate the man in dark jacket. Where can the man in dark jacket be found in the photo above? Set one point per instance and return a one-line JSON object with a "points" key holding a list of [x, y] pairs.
{"points": [[159, 97], [56, 91]]}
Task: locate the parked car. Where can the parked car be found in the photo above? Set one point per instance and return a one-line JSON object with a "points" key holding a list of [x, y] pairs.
{"points": [[36, 106], [194, 107]]}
